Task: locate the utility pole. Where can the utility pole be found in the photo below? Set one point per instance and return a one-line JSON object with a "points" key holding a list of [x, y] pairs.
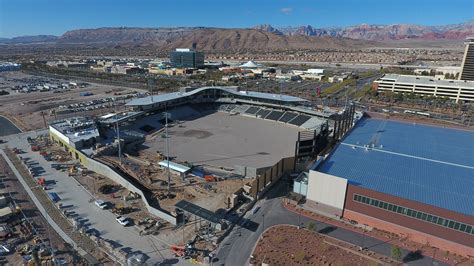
{"points": [[118, 132], [44, 120]]}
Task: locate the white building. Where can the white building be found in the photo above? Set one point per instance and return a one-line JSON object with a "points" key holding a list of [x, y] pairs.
{"points": [[457, 90]]}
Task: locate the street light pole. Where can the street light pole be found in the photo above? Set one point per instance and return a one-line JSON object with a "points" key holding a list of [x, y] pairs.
{"points": [[299, 218], [363, 236]]}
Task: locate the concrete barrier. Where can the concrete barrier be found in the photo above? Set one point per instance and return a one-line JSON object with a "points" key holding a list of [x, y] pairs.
{"points": [[110, 173]]}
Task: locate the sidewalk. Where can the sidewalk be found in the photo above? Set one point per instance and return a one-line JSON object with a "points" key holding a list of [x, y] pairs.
{"points": [[369, 241]]}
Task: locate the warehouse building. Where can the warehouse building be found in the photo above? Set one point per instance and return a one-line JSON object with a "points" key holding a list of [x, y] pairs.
{"points": [[413, 180], [457, 90]]}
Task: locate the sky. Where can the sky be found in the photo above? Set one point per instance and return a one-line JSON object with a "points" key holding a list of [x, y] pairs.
{"points": [[34, 17]]}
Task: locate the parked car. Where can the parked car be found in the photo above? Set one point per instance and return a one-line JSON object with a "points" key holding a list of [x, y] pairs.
{"points": [[255, 210], [122, 220], [101, 204]]}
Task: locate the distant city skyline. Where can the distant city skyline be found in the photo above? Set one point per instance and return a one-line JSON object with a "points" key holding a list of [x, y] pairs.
{"points": [[54, 17]]}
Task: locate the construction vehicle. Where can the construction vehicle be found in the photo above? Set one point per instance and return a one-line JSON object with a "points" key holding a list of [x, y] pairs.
{"points": [[44, 254], [132, 195], [178, 251], [41, 181], [209, 178], [72, 170], [24, 250], [121, 210], [106, 189]]}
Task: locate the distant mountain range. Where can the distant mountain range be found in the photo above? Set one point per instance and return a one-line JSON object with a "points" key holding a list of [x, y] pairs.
{"points": [[262, 38], [29, 39], [380, 33], [206, 39]]}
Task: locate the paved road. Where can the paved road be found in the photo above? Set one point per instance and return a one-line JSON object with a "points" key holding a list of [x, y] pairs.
{"points": [[327, 64], [238, 246], [7, 127], [74, 195]]}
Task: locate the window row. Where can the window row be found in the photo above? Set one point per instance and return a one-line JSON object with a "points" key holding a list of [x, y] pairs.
{"points": [[465, 228]]}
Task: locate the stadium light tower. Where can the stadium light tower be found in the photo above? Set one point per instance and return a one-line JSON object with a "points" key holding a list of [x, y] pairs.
{"points": [[167, 153], [118, 132]]}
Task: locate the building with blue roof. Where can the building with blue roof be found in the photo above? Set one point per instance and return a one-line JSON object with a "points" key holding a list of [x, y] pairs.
{"points": [[406, 178]]}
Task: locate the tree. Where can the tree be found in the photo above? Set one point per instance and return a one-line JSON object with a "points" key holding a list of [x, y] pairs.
{"points": [[395, 252], [311, 226]]}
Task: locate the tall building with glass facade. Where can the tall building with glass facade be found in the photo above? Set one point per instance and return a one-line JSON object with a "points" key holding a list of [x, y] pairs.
{"points": [[467, 69], [186, 58]]}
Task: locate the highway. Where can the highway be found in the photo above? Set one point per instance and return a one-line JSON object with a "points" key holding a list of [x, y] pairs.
{"points": [[327, 64]]}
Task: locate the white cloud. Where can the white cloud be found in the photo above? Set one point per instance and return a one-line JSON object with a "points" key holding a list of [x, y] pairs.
{"points": [[286, 10]]}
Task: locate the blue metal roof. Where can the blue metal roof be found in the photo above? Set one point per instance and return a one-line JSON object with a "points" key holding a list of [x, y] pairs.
{"points": [[233, 90], [431, 165]]}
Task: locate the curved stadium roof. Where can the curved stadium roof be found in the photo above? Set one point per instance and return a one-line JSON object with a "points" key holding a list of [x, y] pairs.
{"points": [[232, 90]]}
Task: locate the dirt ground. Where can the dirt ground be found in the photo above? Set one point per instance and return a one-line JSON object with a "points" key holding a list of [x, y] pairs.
{"points": [[223, 140], [210, 195], [24, 109], [385, 236], [288, 245]]}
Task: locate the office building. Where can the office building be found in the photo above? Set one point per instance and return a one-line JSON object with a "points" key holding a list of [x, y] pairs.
{"points": [[467, 70], [186, 58]]}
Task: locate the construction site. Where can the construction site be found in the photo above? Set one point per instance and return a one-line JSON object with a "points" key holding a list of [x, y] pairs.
{"points": [[183, 176]]}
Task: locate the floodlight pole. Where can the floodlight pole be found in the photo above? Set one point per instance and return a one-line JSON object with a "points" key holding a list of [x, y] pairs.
{"points": [[281, 88], [118, 132], [167, 154]]}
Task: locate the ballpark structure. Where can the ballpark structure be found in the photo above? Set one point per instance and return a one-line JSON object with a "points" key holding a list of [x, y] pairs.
{"points": [[414, 180], [190, 106]]}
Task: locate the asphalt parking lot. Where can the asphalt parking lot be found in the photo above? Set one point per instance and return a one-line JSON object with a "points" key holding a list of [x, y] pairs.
{"points": [[81, 202]]}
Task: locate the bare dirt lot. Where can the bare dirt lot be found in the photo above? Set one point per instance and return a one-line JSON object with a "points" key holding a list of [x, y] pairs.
{"points": [[288, 245], [220, 139]]}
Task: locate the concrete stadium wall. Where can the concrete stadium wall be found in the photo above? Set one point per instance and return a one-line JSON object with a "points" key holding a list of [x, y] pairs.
{"points": [[270, 176], [108, 172], [327, 189], [105, 170]]}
